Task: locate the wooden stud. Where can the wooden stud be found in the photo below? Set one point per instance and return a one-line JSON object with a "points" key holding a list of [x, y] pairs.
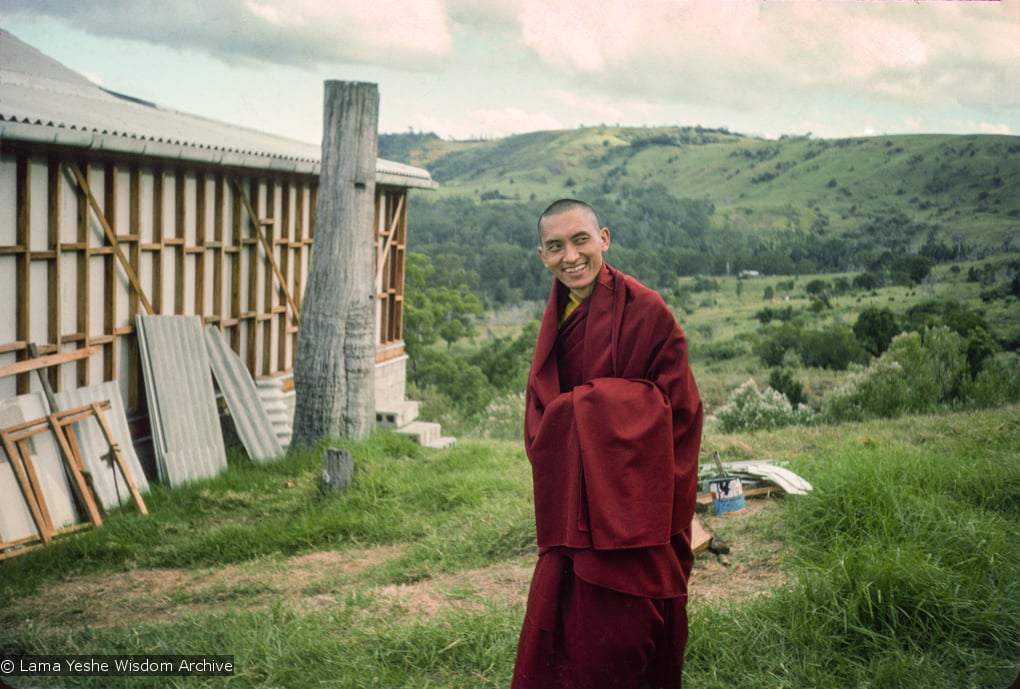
{"points": [[236, 235], [23, 239], [110, 271], [179, 267], [134, 388], [54, 190], [200, 244], [40, 518], [158, 238], [268, 302]]}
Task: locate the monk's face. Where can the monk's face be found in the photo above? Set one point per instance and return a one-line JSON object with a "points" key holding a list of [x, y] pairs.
{"points": [[572, 247]]}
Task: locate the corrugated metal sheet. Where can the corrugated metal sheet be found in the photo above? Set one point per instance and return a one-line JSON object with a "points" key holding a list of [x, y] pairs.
{"points": [[41, 100], [15, 519], [107, 479], [250, 418], [186, 434]]}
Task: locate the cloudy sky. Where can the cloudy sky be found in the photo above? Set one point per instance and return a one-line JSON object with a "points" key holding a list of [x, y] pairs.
{"points": [[489, 68]]}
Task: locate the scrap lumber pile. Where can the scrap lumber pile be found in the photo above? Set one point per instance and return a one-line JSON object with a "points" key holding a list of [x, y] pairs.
{"points": [[757, 478], [67, 457], [52, 461]]}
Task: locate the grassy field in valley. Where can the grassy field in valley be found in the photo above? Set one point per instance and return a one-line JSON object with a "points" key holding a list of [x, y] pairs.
{"points": [[899, 570]]}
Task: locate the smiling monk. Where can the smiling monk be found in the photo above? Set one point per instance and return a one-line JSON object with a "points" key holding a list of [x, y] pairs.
{"points": [[612, 430]]}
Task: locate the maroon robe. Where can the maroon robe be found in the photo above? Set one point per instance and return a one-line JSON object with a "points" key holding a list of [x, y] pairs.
{"points": [[612, 430]]}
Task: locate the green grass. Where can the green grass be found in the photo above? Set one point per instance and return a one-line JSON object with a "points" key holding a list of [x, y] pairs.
{"points": [[901, 567]]}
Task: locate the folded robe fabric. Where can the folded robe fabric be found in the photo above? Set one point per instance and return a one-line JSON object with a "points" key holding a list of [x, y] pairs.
{"points": [[614, 457], [611, 440]]}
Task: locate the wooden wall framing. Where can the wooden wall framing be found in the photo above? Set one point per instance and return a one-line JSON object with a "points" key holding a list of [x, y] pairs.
{"points": [[390, 253], [88, 240]]}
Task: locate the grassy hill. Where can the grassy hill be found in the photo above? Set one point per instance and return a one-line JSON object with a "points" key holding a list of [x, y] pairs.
{"points": [[961, 187]]}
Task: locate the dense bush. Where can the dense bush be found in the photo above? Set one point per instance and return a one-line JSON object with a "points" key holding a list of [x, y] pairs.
{"points": [[875, 329], [751, 410], [919, 373], [835, 348], [997, 383], [781, 380]]}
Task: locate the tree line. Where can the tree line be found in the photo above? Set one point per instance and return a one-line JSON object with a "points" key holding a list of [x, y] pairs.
{"points": [[658, 237]]}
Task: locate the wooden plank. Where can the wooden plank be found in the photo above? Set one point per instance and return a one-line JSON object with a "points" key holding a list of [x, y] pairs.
{"points": [[46, 361], [55, 186], [23, 237], [180, 232], [701, 535], [27, 491], [111, 237], [760, 491], [73, 464], [98, 408], [199, 250], [24, 456], [158, 237]]}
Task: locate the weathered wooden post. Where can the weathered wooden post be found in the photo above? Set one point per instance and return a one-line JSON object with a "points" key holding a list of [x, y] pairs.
{"points": [[337, 470], [334, 364]]}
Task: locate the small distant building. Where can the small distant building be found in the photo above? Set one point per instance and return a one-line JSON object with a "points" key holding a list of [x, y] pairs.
{"points": [[112, 207], [747, 274]]}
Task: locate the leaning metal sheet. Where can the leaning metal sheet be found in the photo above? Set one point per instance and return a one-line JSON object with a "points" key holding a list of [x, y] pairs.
{"points": [[44, 454], [107, 478], [250, 419], [186, 434]]}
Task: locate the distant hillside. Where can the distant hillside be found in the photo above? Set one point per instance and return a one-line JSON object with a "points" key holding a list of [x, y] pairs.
{"points": [[684, 201]]}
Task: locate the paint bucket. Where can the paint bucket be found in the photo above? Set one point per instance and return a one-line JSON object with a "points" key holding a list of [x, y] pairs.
{"points": [[727, 495]]}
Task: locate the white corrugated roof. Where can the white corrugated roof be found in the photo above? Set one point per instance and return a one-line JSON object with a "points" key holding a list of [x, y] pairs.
{"points": [[42, 100]]}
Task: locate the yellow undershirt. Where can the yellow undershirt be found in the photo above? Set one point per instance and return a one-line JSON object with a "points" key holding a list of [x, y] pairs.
{"points": [[572, 303]]}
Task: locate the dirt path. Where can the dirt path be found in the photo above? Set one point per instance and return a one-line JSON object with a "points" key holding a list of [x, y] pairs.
{"points": [[324, 579]]}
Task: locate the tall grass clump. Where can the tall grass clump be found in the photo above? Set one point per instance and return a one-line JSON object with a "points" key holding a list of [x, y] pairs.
{"points": [[905, 558]]}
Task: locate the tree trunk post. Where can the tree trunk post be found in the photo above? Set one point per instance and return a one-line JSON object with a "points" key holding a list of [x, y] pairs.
{"points": [[334, 365], [337, 470]]}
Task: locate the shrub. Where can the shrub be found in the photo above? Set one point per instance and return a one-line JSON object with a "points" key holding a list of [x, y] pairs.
{"points": [[781, 380], [997, 383], [835, 348], [751, 410], [875, 329], [879, 391], [947, 359], [916, 374], [503, 418]]}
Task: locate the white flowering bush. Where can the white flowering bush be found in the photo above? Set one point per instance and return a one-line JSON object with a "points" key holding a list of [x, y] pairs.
{"points": [[749, 409], [503, 418]]}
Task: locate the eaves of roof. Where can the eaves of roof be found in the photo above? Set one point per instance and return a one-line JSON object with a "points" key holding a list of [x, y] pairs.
{"points": [[42, 101]]}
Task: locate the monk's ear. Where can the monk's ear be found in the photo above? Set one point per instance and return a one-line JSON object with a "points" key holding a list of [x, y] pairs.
{"points": [[604, 236]]}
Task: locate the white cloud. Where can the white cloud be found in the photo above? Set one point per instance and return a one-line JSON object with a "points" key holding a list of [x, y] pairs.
{"points": [[413, 35], [495, 67]]}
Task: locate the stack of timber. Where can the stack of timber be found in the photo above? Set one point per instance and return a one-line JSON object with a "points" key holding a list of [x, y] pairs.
{"points": [[67, 458], [54, 459]]}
